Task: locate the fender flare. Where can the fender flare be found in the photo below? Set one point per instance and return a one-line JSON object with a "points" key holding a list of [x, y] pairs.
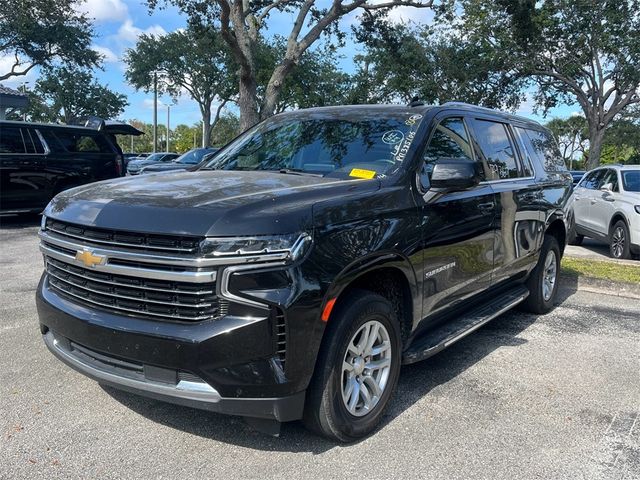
{"points": [[368, 264]]}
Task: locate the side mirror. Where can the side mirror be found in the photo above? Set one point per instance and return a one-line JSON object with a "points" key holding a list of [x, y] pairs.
{"points": [[455, 174], [607, 187]]}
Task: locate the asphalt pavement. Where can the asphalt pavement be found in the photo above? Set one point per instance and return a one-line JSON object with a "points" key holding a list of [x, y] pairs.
{"points": [[552, 397]]}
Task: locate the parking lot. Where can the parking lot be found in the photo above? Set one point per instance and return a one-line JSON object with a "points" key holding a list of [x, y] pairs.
{"points": [[555, 396]]}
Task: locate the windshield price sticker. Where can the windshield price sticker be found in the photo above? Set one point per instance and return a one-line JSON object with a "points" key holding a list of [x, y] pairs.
{"points": [[361, 173]]}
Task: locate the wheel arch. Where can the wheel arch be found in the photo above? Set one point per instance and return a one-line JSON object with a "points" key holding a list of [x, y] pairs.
{"points": [[390, 275], [556, 226]]}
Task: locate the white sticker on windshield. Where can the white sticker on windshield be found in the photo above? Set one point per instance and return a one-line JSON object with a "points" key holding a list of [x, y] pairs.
{"points": [[413, 119], [392, 137]]}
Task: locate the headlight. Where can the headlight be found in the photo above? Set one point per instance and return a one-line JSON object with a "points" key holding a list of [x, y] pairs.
{"points": [[291, 246], [43, 222]]}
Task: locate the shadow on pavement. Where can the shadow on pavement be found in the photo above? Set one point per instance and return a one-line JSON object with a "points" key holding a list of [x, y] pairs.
{"points": [[416, 381]]}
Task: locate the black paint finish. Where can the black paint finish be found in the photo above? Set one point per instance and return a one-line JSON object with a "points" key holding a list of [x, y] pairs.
{"points": [[445, 248]]}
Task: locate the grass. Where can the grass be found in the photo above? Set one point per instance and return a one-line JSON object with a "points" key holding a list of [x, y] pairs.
{"points": [[596, 269]]}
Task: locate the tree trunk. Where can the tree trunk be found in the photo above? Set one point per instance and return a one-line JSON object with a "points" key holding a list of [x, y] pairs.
{"points": [[596, 136], [247, 103], [274, 88], [206, 127]]}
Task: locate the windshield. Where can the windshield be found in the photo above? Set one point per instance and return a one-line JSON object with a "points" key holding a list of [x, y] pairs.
{"points": [[368, 145], [192, 156], [631, 180], [155, 157]]}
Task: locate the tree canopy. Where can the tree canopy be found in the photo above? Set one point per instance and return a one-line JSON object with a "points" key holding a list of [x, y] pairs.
{"points": [[67, 95], [572, 51], [195, 60], [43, 32]]}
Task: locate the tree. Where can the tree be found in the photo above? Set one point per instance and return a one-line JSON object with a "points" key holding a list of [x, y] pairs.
{"points": [[196, 60], [41, 32], [582, 51], [437, 65], [573, 137], [72, 94], [242, 22], [314, 82], [226, 129], [621, 142]]}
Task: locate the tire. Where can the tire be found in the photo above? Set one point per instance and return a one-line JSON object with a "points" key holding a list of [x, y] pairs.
{"points": [[619, 241], [543, 282], [329, 396]]}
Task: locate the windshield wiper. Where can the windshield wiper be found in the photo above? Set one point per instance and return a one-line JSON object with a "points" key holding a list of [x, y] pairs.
{"points": [[298, 171]]}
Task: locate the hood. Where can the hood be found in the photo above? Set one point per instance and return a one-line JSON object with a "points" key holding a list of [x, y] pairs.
{"points": [[215, 202]]}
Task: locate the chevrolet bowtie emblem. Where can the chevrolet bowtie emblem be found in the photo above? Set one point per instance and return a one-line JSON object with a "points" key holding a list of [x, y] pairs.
{"points": [[89, 259]]}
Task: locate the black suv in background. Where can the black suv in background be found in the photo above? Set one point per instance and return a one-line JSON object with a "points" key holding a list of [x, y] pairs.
{"points": [[38, 161], [290, 276]]}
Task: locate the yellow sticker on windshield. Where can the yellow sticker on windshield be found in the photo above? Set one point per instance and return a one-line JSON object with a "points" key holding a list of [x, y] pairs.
{"points": [[360, 173]]}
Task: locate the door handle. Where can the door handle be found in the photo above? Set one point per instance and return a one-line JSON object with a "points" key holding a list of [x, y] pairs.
{"points": [[608, 197], [487, 206]]}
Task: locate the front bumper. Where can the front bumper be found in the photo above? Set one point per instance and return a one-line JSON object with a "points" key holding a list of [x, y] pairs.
{"points": [[226, 365]]}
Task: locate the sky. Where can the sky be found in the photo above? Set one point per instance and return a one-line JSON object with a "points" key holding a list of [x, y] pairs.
{"points": [[118, 23]]}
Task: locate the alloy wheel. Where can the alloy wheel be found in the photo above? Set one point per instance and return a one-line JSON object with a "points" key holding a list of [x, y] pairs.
{"points": [[550, 274], [365, 368], [618, 242]]}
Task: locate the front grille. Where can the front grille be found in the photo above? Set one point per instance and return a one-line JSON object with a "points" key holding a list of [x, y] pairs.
{"points": [[136, 241], [139, 297]]}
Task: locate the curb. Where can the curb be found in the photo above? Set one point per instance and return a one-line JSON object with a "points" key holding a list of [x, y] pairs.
{"points": [[600, 285]]}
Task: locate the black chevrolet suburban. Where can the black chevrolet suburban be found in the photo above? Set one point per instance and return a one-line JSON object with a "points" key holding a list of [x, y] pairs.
{"points": [[39, 160], [293, 274]]}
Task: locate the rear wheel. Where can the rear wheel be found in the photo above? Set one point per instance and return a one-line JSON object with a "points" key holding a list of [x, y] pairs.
{"points": [[619, 246], [357, 369], [543, 280]]}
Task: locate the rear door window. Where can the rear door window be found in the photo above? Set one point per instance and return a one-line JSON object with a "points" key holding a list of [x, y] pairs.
{"points": [[11, 140], [497, 149], [611, 177], [544, 147]]}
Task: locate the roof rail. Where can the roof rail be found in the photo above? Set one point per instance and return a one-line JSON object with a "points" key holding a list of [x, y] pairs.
{"points": [[491, 110]]}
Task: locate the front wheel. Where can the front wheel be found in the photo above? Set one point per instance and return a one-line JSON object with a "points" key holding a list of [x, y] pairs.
{"points": [[543, 280], [357, 368], [619, 246]]}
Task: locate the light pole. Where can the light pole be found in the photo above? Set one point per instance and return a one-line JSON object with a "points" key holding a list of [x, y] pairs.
{"points": [[24, 90], [168, 105], [155, 112]]}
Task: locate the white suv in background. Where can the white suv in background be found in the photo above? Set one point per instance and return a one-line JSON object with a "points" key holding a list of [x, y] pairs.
{"points": [[606, 207]]}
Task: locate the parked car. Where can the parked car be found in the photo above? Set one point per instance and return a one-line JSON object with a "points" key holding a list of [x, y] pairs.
{"points": [[606, 207], [183, 162], [291, 275], [135, 166], [577, 176], [39, 160]]}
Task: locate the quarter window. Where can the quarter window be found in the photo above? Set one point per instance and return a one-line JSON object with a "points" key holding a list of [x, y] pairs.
{"points": [[498, 152], [11, 140], [449, 140], [544, 147]]}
